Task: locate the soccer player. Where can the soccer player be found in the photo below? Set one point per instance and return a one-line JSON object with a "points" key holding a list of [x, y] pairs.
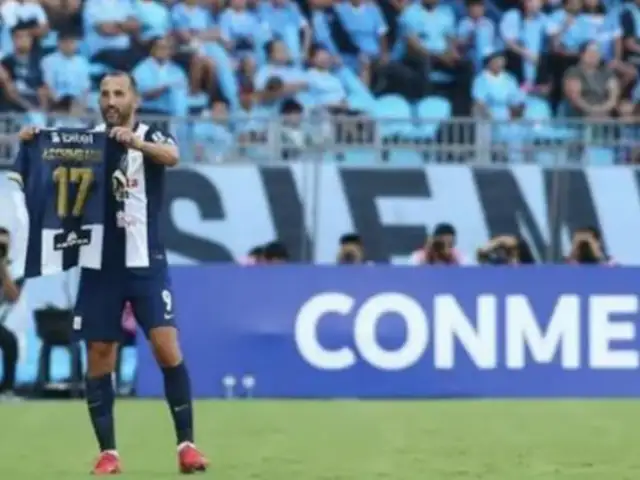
{"points": [[134, 269]]}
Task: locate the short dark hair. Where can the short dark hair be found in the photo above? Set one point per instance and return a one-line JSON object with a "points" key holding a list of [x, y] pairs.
{"points": [[348, 238], [444, 229], [21, 27], [275, 251], [121, 73]]}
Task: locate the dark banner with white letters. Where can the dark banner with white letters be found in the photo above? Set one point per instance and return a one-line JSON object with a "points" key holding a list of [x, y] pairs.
{"points": [[383, 331]]}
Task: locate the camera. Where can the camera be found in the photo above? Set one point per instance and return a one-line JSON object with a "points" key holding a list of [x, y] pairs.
{"points": [[585, 253], [500, 255]]}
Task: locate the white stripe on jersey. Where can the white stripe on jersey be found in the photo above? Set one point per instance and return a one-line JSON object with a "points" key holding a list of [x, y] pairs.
{"points": [[135, 207], [90, 255]]}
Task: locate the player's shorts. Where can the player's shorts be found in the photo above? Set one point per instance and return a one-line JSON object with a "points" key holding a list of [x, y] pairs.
{"points": [[102, 296]]}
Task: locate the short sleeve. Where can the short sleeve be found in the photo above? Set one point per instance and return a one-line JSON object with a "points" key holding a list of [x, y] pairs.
{"points": [[627, 24], [160, 136], [381, 25], [465, 28], [554, 24], [510, 25], [178, 18], [449, 21], [479, 90], [299, 19]]}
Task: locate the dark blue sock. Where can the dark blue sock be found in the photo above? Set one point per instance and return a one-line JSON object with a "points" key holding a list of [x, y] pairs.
{"points": [[177, 390], [100, 398]]}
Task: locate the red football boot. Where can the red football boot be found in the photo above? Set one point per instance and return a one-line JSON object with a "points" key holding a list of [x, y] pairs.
{"points": [[108, 463], [191, 460]]}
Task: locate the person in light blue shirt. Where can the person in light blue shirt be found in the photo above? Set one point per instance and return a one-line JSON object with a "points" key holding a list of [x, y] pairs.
{"points": [[568, 30], [495, 91], [108, 26], [200, 46], [285, 22], [325, 90], [367, 30], [427, 32], [190, 21], [476, 34], [242, 31], [154, 19], [523, 31], [66, 72], [279, 78], [161, 83], [13, 12]]}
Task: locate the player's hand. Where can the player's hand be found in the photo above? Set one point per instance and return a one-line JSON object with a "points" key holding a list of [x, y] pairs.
{"points": [[27, 134], [125, 136]]}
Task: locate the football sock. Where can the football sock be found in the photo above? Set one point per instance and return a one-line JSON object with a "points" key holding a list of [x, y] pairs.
{"points": [[177, 390], [100, 398]]}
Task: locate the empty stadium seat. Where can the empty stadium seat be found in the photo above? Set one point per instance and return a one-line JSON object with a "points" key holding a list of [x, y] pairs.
{"points": [[431, 111], [537, 108], [394, 114]]}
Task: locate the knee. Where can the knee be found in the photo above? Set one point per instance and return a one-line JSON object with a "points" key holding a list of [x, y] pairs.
{"points": [[164, 344], [101, 358]]}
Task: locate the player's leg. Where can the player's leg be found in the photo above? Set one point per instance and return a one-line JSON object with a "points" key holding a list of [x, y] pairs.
{"points": [[153, 309], [97, 319]]}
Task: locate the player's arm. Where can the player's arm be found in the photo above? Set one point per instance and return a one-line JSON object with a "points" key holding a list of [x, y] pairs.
{"points": [[156, 145]]}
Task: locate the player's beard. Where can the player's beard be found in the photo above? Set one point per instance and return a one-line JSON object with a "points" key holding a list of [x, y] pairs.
{"points": [[115, 117]]}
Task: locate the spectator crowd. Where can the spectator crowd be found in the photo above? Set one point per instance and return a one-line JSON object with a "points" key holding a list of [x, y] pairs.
{"points": [[242, 62]]}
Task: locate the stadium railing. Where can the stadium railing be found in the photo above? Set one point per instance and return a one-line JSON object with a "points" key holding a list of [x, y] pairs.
{"points": [[361, 140]]}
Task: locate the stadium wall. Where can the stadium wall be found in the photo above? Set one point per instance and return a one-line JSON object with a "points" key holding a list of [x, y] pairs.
{"points": [[218, 213]]}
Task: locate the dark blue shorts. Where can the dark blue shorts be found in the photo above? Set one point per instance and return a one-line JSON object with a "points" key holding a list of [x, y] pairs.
{"points": [[102, 296]]}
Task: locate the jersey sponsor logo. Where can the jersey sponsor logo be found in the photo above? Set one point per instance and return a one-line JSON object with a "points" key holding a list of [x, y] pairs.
{"points": [[77, 322], [63, 241], [310, 206]]}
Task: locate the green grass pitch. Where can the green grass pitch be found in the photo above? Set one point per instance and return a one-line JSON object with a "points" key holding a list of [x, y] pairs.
{"points": [[338, 440]]}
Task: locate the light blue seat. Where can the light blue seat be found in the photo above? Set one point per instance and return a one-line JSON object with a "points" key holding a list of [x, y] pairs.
{"points": [[598, 156], [537, 109], [431, 112], [394, 116]]}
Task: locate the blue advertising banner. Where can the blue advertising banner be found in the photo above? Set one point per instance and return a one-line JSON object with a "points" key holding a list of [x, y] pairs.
{"points": [[383, 331]]}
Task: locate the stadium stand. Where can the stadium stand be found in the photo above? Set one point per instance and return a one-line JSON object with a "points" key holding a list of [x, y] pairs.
{"points": [[527, 72]]}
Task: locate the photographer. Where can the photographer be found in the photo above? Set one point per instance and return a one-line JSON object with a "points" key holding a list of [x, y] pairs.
{"points": [[351, 250], [505, 250], [587, 249], [440, 249], [10, 289]]}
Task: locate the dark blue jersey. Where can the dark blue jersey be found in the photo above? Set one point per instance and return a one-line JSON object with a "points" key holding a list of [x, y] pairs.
{"points": [[65, 178]]}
